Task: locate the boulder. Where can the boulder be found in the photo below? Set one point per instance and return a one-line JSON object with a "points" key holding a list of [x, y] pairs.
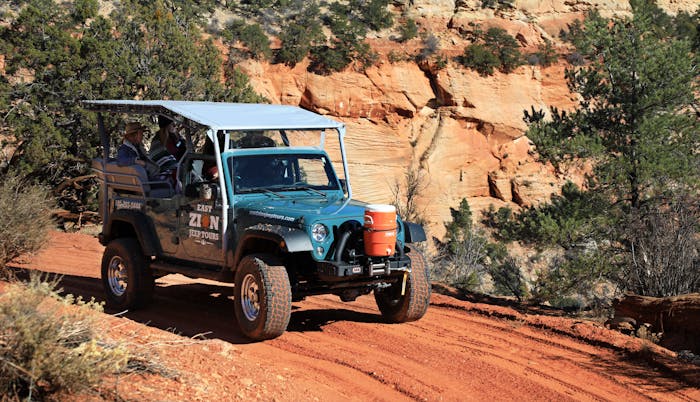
{"points": [[674, 317]]}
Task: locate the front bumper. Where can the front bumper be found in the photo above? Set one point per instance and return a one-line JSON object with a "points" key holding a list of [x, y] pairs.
{"points": [[341, 271]]}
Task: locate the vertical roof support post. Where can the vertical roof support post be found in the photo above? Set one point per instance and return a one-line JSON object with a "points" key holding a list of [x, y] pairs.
{"points": [[211, 133], [341, 136], [104, 139]]}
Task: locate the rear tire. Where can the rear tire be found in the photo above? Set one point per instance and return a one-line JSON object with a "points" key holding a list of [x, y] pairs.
{"points": [[126, 278], [396, 308], [263, 297]]}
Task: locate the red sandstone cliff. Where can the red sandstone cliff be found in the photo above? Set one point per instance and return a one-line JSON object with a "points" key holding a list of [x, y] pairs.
{"points": [[464, 132]]}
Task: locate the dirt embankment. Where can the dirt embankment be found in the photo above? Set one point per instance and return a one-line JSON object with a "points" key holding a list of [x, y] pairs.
{"points": [[342, 351]]}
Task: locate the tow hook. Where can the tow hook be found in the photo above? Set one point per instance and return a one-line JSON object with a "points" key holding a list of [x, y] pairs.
{"points": [[403, 283]]}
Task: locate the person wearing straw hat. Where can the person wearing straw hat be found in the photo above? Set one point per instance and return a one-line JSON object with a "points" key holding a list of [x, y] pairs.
{"points": [[131, 152]]}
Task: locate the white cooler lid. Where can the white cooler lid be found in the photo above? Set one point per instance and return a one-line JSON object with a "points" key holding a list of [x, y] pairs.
{"points": [[380, 208]]}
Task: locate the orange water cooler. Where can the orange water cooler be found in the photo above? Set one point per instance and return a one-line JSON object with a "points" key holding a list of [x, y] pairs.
{"points": [[380, 230]]}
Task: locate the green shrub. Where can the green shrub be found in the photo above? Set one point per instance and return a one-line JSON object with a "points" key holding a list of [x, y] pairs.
{"points": [[493, 49], [574, 227], [25, 218], [144, 50], [545, 55], [84, 9], [53, 344], [478, 57], [461, 257], [299, 34], [505, 47], [408, 30], [507, 277], [346, 45], [252, 36], [569, 220], [374, 13], [579, 274], [440, 62], [344, 49], [258, 4], [326, 59], [687, 26], [395, 57]]}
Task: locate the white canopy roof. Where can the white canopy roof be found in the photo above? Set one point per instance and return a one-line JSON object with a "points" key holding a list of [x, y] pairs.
{"points": [[223, 116]]}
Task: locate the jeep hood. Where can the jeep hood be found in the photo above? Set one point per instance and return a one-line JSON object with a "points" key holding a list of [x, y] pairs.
{"points": [[304, 210]]}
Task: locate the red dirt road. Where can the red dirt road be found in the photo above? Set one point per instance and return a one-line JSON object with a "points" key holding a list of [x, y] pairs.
{"points": [[342, 351]]}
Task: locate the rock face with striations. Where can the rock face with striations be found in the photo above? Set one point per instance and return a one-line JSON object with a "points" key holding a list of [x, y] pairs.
{"points": [[462, 132]]}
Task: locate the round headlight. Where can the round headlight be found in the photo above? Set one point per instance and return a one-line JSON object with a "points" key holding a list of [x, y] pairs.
{"points": [[319, 232]]}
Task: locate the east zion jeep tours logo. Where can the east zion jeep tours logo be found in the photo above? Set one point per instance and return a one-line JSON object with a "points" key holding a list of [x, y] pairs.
{"points": [[203, 219]]}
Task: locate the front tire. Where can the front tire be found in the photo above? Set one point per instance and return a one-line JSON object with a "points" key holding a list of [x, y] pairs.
{"points": [[126, 278], [263, 297], [413, 304]]}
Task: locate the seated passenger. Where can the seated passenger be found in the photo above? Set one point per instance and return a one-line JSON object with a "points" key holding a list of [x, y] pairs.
{"points": [[131, 152], [256, 139], [210, 171], [164, 147], [168, 137]]}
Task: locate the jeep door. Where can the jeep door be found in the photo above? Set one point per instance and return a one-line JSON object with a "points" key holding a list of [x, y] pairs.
{"points": [[200, 223]]}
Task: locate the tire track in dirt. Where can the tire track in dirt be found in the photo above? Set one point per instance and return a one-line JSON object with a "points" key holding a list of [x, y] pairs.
{"points": [[456, 349], [505, 332], [593, 356]]}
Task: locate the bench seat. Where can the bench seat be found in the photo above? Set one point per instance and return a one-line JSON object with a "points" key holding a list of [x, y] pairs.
{"points": [[131, 178]]}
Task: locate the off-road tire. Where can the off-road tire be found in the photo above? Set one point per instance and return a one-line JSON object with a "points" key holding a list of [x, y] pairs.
{"points": [[396, 308], [126, 278], [263, 297]]}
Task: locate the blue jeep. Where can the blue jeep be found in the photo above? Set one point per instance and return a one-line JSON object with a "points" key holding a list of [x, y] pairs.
{"points": [[277, 221]]}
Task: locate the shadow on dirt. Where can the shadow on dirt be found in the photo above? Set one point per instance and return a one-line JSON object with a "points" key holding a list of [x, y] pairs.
{"points": [[201, 310], [315, 320], [504, 301]]}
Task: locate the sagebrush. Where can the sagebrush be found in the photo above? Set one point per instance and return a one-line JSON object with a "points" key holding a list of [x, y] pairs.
{"points": [[46, 347], [53, 345], [25, 217]]}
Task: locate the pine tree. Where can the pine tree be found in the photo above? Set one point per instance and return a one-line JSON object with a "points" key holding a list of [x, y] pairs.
{"points": [[637, 123], [144, 51], [635, 120]]}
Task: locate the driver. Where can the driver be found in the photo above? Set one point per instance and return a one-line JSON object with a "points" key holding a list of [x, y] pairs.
{"points": [[255, 139], [132, 152]]}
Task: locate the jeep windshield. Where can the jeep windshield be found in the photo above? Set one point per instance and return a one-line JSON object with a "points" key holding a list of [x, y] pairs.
{"points": [[276, 173]]}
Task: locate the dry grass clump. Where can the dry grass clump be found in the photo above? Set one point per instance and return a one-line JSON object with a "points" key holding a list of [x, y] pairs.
{"points": [[47, 344], [25, 217]]}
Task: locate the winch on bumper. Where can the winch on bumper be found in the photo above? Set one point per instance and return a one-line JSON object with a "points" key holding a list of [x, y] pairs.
{"points": [[379, 267]]}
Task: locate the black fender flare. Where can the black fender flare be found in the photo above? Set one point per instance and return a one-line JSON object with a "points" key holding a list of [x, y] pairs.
{"points": [[290, 240], [142, 225], [413, 232]]}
